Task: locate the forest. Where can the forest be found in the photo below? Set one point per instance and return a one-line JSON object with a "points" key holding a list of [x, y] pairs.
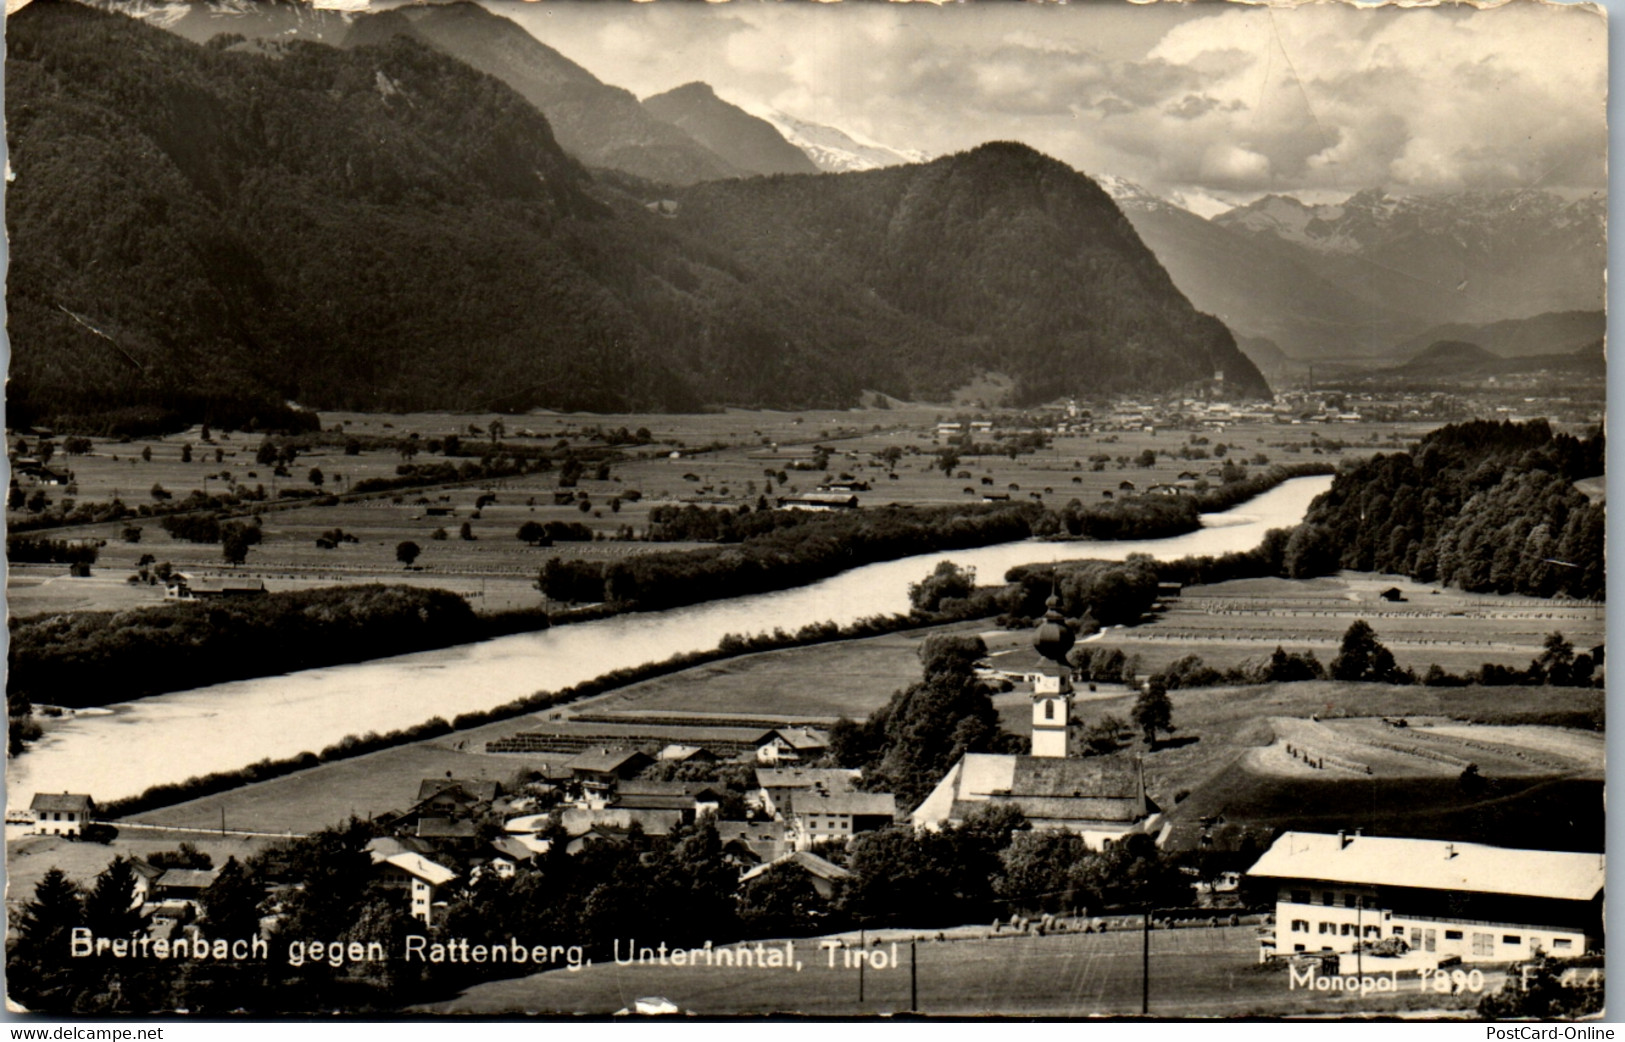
{"points": [[92, 658], [1485, 506]]}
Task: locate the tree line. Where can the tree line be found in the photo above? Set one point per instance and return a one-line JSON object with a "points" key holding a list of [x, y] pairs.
{"points": [[1485, 506]]}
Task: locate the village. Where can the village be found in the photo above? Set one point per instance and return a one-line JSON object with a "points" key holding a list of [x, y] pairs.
{"points": [[1326, 908]]}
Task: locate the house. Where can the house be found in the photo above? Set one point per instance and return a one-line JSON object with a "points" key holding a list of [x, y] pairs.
{"points": [[818, 501], [183, 587], [1444, 898], [823, 874], [452, 796], [183, 884], [146, 875], [1393, 594], [753, 842], [421, 878], [603, 766], [1125, 486], [446, 831], [791, 745], [505, 855], [61, 815], [816, 815], [1101, 798], [775, 787], [844, 486], [686, 754]]}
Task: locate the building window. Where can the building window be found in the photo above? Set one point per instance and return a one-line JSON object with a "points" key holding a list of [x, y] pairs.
{"points": [[1300, 897], [1399, 931], [1562, 942], [1328, 928], [1300, 926], [1374, 931], [1347, 930], [1328, 899], [1511, 938], [1483, 944], [1452, 935], [1348, 900], [1049, 710]]}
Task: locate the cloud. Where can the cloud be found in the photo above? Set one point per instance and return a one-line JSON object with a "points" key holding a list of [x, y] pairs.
{"points": [[1188, 98]]}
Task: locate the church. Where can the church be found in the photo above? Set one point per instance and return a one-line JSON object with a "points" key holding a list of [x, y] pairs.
{"points": [[1101, 798]]}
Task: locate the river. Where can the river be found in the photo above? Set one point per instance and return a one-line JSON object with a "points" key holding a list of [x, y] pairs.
{"points": [[172, 737]]}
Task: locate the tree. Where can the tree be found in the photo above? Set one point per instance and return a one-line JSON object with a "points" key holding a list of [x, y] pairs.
{"points": [[948, 581], [186, 453], [110, 907], [235, 539], [266, 454], [496, 428], [1557, 660], [231, 904], [407, 552], [1362, 657], [1147, 458], [466, 532], [38, 976], [532, 532], [316, 476], [1153, 711], [782, 902]]}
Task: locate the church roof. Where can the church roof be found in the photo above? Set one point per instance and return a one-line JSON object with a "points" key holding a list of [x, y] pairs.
{"points": [[1051, 791]]}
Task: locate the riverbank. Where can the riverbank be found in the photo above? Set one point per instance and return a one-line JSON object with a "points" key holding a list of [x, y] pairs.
{"points": [[169, 738]]}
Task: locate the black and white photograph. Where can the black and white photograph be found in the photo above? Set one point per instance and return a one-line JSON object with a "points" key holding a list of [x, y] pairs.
{"points": [[775, 509]]}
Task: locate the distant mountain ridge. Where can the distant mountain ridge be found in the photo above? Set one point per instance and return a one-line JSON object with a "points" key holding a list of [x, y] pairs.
{"points": [[382, 227], [746, 142], [1464, 257]]}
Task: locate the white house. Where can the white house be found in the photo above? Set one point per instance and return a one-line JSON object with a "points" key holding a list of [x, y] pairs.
{"points": [[418, 876], [64, 814], [1482, 903]]}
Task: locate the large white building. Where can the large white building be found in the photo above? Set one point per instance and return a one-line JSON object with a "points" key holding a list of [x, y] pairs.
{"points": [[1482, 903]]}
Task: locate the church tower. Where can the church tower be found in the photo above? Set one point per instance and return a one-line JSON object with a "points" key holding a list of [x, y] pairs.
{"points": [[1052, 693]]}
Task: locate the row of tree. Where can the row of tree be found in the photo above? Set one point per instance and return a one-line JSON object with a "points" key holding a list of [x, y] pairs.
{"points": [[1483, 506]]}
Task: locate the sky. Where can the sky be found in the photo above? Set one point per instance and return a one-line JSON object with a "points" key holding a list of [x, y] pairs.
{"points": [[1202, 102]]}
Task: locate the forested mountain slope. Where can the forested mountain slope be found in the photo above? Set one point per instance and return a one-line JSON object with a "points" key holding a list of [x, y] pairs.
{"points": [[209, 231]]}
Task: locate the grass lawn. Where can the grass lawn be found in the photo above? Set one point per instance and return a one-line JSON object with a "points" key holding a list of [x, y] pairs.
{"points": [[29, 857], [821, 682], [1194, 973]]}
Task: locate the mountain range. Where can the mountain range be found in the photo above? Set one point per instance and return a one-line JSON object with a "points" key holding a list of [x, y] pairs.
{"points": [[382, 226]]}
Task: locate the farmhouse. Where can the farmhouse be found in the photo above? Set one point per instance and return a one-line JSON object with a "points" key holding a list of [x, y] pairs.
{"points": [[1482, 903], [819, 501], [61, 815], [605, 766], [679, 753], [1102, 799], [822, 874], [817, 815], [791, 745], [183, 587], [182, 884], [776, 788]]}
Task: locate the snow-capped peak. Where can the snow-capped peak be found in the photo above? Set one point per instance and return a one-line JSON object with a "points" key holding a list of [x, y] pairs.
{"points": [[834, 150]]}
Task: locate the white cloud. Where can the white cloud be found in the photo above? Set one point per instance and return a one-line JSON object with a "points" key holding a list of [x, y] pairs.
{"points": [[1199, 99]]}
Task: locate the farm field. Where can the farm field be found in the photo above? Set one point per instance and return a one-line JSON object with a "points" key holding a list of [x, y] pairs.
{"points": [[812, 684], [1194, 973], [1231, 622], [713, 459], [28, 858]]}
